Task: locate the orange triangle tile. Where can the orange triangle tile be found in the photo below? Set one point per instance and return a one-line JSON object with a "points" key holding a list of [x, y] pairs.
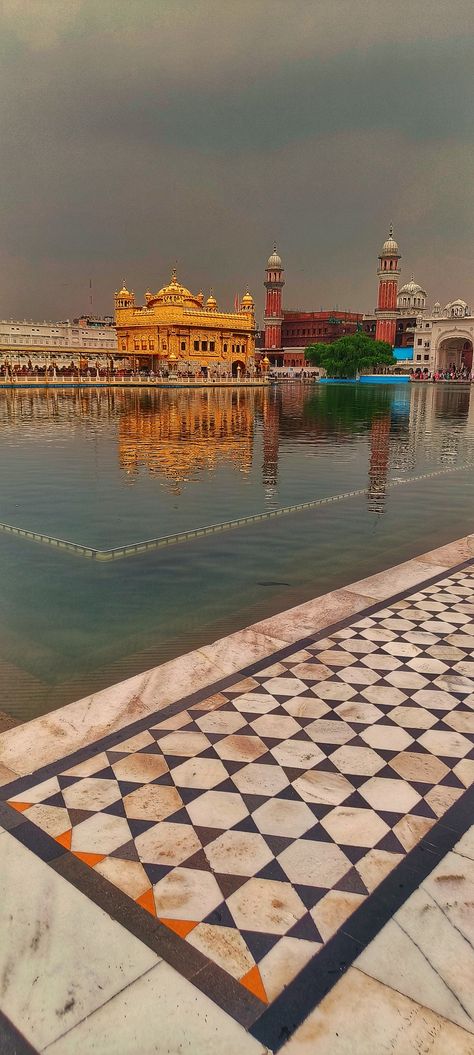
{"points": [[253, 981], [65, 839], [147, 901], [89, 859], [180, 926], [21, 806]]}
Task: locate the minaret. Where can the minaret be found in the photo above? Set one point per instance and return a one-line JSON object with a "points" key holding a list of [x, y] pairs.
{"points": [[388, 273], [273, 311]]}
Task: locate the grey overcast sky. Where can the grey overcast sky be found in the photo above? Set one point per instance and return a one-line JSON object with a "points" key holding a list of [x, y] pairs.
{"points": [[139, 133]]}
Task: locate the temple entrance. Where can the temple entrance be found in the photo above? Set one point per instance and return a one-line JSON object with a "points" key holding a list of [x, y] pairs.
{"points": [[238, 368], [454, 354]]}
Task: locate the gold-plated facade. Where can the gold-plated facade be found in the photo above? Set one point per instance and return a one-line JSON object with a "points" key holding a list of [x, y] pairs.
{"points": [[177, 330]]}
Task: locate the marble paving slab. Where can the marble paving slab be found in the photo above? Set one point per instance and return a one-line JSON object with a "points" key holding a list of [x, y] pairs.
{"points": [[253, 824]]}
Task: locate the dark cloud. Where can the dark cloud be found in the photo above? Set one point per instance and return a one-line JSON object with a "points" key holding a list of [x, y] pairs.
{"points": [[137, 134]]}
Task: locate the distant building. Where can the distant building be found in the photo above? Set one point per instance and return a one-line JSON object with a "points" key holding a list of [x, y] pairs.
{"points": [[287, 334], [176, 329], [82, 342], [394, 319], [444, 338]]}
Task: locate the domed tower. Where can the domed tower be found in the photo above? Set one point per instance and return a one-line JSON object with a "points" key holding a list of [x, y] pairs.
{"points": [[124, 299], [273, 316], [211, 302], [247, 304], [388, 273]]}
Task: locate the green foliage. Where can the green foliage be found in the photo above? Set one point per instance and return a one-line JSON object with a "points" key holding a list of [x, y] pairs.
{"points": [[356, 353]]}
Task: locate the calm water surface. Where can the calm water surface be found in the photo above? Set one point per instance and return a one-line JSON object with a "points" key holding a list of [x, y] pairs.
{"points": [[108, 468]]}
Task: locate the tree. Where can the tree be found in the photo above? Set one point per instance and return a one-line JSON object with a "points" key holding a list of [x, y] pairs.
{"points": [[356, 353]]}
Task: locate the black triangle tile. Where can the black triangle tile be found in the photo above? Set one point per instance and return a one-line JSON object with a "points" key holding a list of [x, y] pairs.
{"points": [[104, 774], [126, 787], [386, 754], [139, 826], [156, 872], [233, 765], [450, 761], [166, 780], [309, 895], [277, 843], [229, 883], [247, 824], [226, 785], [55, 800], [150, 749], [210, 752], [259, 944], [351, 883], [292, 774], [220, 917], [116, 809], [252, 802], [213, 739], [173, 760], [355, 853], [390, 818], [391, 844], [451, 781], [268, 759], [421, 809], [305, 928], [127, 852], [421, 786], [65, 781], [387, 771], [318, 834], [274, 871], [357, 781], [288, 793], [357, 801], [198, 860], [320, 809], [116, 756], [180, 817], [326, 766], [78, 816], [357, 741], [207, 835], [329, 749], [190, 794]]}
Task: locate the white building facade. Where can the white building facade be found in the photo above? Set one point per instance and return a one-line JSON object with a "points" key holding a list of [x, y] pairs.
{"points": [[444, 339], [85, 343]]}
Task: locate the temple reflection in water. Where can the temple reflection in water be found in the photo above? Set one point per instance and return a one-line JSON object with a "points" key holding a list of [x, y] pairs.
{"points": [[182, 436]]}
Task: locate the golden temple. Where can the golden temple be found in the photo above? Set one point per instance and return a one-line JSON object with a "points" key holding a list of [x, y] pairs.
{"points": [[177, 332]]}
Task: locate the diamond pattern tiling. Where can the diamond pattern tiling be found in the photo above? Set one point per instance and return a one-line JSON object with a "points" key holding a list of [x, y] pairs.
{"points": [[255, 822]]}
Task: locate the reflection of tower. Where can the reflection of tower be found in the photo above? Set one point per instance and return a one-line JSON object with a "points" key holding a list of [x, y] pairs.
{"points": [[273, 311], [271, 437], [388, 273], [378, 466]]}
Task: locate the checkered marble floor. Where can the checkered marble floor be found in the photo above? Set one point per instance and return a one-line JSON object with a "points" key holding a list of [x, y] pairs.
{"points": [[254, 823]]}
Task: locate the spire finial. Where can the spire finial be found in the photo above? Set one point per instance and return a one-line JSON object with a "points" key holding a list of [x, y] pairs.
{"points": [[390, 231], [173, 274]]}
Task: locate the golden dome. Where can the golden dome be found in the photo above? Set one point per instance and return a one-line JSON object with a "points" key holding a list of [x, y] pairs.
{"points": [[247, 298], [124, 292], [175, 293], [211, 302]]}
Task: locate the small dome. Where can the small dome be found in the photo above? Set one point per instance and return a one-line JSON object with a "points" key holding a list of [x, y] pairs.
{"points": [[390, 247], [124, 292], [211, 302], [247, 299], [274, 260], [437, 304], [456, 304], [411, 287]]}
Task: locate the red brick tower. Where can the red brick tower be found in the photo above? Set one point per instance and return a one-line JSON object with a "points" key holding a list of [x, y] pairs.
{"points": [[388, 273], [273, 317]]}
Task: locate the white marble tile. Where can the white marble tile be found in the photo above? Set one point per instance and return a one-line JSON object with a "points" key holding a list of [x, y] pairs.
{"points": [[465, 846], [360, 1016], [160, 1013], [61, 956], [422, 955]]}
